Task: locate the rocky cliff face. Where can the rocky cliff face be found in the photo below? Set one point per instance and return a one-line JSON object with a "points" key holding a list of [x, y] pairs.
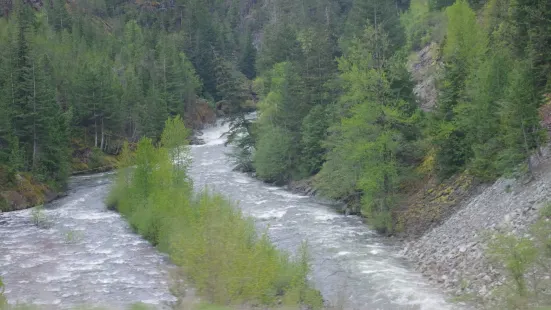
{"points": [[425, 66], [453, 254]]}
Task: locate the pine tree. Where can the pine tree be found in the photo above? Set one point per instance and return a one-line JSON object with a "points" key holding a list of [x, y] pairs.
{"points": [[58, 17], [478, 116], [51, 132], [378, 13], [520, 122], [369, 138], [248, 57], [280, 121], [6, 97], [230, 86], [24, 115], [464, 48]]}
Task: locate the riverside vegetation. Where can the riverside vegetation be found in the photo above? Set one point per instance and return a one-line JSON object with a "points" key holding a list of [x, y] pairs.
{"points": [[217, 247], [340, 108], [526, 260], [331, 80]]}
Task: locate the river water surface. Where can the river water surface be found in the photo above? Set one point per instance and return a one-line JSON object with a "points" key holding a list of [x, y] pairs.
{"points": [[88, 255]]}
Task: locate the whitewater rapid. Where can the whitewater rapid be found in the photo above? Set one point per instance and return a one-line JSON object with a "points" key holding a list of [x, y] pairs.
{"points": [[352, 266], [88, 255]]}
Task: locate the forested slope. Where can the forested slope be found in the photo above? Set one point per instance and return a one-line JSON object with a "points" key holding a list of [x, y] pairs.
{"points": [[79, 78], [336, 98], [331, 79]]}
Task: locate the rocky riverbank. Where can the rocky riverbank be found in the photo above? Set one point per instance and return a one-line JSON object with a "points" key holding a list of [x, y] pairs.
{"points": [[453, 253]]}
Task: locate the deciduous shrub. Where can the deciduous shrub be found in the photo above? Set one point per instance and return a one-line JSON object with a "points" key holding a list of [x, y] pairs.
{"points": [[526, 261], [204, 233]]}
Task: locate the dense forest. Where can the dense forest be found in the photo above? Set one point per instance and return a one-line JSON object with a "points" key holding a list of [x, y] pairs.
{"points": [[332, 81]]}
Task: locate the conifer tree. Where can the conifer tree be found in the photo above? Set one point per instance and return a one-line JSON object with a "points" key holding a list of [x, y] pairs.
{"points": [[369, 137], [23, 95], [464, 48], [520, 121]]}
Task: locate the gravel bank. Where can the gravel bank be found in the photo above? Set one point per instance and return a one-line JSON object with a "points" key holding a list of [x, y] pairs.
{"points": [[452, 254]]}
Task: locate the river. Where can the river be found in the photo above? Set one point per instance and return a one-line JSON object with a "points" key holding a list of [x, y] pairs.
{"points": [[88, 255]]}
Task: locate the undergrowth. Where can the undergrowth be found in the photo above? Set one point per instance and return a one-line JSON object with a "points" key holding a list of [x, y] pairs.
{"points": [[3, 301], [526, 262], [205, 234]]}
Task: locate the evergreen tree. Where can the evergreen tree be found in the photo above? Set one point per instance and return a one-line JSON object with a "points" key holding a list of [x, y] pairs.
{"points": [[378, 13], [520, 121], [464, 48], [24, 114], [231, 88], [369, 137], [58, 17], [478, 116], [248, 57], [51, 132], [280, 121]]}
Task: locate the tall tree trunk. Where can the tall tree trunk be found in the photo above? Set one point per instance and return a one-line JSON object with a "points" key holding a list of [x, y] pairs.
{"points": [[527, 151], [95, 121], [34, 121], [95, 132], [102, 134]]}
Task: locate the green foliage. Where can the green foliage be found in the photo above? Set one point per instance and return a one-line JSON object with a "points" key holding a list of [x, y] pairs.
{"points": [[74, 75], [73, 236], [4, 206], [272, 159], [242, 140], [526, 262], [367, 146], [38, 217], [479, 116], [462, 53], [517, 254], [3, 300], [421, 26], [314, 129], [520, 121], [205, 234], [277, 131], [140, 306]]}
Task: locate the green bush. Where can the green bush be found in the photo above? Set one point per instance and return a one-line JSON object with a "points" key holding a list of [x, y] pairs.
{"points": [[216, 246], [272, 159], [38, 217], [4, 206], [526, 262], [314, 129], [96, 159], [3, 301]]}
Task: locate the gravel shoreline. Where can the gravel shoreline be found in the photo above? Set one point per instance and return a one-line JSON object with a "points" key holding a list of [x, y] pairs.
{"points": [[453, 254]]}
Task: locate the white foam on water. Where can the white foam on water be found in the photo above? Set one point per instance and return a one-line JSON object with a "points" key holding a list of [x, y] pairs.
{"points": [[214, 135], [324, 215], [270, 214], [242, 180], [402, 286], [47, 278], [102, 251], [94, 216]]}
